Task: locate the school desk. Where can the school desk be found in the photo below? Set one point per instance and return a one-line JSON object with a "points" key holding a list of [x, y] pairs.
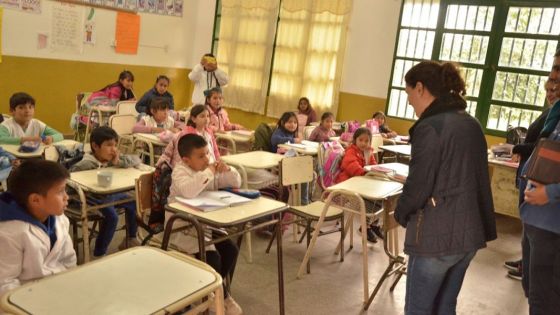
{"points": [[398, 168], [252, 159], [367, 188], [395, 140], [140, 280], [13, 149], [236, 217], [301, 148], [505, 194], [85, 182], [151, 140], [103, 112], [236, 139]]}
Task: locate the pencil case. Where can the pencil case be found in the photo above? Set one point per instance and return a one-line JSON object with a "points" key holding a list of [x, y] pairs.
{"points": [[247, 193]]}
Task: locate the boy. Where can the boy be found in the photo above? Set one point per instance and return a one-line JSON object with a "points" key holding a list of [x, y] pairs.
{"points": [[104, 153], [190, 177], [34, 237], [22, 126]]}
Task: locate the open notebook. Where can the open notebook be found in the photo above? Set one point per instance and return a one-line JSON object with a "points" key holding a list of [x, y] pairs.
{"points": [[213, 200]]}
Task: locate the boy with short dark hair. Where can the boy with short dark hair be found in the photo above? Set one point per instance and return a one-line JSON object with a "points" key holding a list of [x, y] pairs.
{"points": [[193, 175], [104, 153], [34, 237], [22, 126]]}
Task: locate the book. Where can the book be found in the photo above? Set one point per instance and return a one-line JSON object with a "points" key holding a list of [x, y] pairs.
{"points": [[544, 164], [213, 200]]}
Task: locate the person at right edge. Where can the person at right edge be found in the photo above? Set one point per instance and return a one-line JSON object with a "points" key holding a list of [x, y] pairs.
{"points": [[446, 204], [540, 214]]}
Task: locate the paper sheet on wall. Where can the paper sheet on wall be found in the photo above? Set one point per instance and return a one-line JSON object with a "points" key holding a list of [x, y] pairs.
{"points": [[127, 33], [66, 34], [89, 28], [1, 22]]}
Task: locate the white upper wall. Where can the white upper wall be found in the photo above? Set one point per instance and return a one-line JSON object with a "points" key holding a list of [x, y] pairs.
{"points": [[367, 64], [370, 46]]}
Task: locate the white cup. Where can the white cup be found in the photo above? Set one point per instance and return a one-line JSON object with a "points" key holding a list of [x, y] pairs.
{"points": [[104, 178]]}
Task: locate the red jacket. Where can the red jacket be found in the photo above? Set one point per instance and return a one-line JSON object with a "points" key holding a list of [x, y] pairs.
{"points": [[353, 163]]}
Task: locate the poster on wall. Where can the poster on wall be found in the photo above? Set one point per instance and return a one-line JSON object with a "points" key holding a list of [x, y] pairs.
{"points": [[32, 6], [66, 28], [127, 33], [89, 28], [10, 4]]}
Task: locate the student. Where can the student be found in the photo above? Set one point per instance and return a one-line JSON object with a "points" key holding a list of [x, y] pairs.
{"points": [[324, 131], [191, 176], [446, 202], [356, 156], [104, 153], [219, 120], [114, 92], [205, 76], [286, 131], [385, 131], [304, 108], [158, 91], [33, 228], [158, 119], [22, 126], [198, 124]]}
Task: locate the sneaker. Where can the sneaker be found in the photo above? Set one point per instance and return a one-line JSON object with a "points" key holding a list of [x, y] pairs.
{"points": [[232, 308], [370, 235], [513, 265], [377, 231], [132, 242], [515, 274]]}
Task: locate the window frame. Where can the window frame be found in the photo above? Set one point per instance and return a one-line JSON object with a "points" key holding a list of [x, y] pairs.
{"points": [[491, 64]]}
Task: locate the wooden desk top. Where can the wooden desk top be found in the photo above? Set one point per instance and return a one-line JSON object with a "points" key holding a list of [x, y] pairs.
{"points": [[123, 179], [141, 280], [403, 149], [368, 187], [150, 137], [253, 159], [13, 149], [233, 215], [237, 137]]}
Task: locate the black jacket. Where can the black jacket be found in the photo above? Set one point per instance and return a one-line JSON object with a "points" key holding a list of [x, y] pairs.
{"points": [[449, 165]]}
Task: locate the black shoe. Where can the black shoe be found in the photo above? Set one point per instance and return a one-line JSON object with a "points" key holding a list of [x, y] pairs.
{"points": [[377, 231], [370, 235], [513, 265], [515, 274]]}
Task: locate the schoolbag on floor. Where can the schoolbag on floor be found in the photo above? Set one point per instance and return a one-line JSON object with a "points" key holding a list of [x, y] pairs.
{"points": [[160, 192]]}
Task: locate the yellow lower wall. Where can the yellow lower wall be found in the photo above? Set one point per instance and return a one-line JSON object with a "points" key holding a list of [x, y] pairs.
{"points": [[55, 83]]}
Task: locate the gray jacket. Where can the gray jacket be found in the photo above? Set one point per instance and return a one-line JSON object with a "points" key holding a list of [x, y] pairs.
{"points": [[446, 205], [89, 162]]}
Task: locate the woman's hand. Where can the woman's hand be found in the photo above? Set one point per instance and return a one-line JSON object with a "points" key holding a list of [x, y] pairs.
{"points": [[535, 194]]}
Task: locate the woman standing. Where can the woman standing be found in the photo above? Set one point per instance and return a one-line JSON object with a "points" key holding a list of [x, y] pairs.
{"points": [[446, 204]]}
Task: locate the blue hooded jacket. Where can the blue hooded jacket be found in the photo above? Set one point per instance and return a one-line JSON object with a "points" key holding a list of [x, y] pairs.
{"points": [[11, 210]]}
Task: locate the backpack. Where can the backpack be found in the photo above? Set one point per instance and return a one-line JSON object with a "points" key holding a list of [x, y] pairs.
{"points": [[330, 156], [68, 157], [160, 192], [516, 135], [262, 135]]}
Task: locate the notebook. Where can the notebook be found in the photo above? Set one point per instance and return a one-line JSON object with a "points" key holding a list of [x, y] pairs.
{"points": [[213, 200], [545, 163]]}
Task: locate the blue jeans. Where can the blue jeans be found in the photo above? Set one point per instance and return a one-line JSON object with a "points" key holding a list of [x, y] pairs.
{"points": [[433, 283], [108, 226]]}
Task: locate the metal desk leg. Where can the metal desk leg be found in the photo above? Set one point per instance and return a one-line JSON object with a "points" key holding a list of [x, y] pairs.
{"points": [[280, 263]]}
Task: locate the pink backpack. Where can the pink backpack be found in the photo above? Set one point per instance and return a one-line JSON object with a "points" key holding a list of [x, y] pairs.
{"points": [[330, 156]]}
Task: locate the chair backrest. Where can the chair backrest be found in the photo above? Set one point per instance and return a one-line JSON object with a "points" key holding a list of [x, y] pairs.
{"points": [[122, 124], [144, 196], [376, 142], [51, 153], [295, 171], [307, 131], [127, 108], [329, 156]]}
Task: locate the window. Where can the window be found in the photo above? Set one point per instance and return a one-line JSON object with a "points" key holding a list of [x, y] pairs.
{"points": [[296, 64], [505, 49]]}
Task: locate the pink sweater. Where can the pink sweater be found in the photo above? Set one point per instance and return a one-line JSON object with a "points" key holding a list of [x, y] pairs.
{"points": [[146, 123], [171, 152], [219, 120]]}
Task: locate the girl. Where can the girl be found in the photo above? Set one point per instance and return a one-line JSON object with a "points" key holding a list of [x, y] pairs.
{"points": [[356, 156], [219, 120], [385, 131], [158, 119], [286, 130], [114, 92], [159, 90], [304, 108], [324, 131], [198, 124]]}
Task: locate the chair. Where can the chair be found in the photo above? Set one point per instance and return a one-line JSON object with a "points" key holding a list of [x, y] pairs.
{"points": [[307, 130], [143, 193], [226, 144], [397, 261], [262, 136], [123, 125], [127, 108], [295, 171], [376, 142], [81, 125]]}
